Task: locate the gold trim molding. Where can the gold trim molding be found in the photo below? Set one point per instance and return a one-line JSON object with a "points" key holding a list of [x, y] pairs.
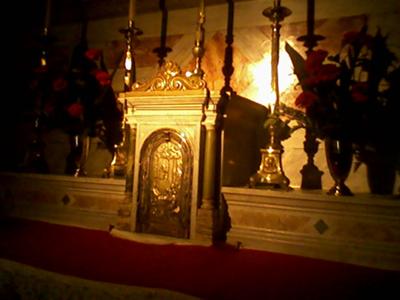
{"points": [[170, 78]]}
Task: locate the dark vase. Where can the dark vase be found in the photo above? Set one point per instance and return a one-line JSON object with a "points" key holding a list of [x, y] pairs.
{"points": [[35, 161], [73, 163], [339, 156], [381, 174]]}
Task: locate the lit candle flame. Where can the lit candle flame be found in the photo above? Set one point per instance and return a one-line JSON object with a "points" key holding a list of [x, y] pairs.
{"points": [[128, 61]]}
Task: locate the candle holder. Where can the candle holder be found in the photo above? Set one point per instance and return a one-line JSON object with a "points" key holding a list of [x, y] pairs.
{"points": [[130, 33], [270, 173], [35, 160], [311, 175], [198, 49], [163, 50], [119, 166]]}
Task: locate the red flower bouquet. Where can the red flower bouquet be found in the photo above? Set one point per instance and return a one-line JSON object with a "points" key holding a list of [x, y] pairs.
{"points": [[79, 100], [325, 100], [354, 94]]}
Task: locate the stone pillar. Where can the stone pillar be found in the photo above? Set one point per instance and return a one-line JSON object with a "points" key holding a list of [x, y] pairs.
{"points": [[124, 221], [207, 212]]}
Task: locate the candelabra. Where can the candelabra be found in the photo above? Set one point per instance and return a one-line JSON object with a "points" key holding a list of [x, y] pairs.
{"points": [[270, 173]]}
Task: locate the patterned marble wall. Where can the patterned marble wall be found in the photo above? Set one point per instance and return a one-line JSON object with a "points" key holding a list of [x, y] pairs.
{"points": [[251, 35]]}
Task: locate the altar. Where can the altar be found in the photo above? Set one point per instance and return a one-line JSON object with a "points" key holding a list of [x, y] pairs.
{"points": [[184, 172], [362, 230]]}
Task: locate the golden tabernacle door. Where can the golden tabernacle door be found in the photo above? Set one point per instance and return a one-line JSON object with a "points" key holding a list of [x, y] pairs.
{"points": [[165, 176]]}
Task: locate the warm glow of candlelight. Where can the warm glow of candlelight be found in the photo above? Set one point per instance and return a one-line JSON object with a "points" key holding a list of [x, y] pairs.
{"points": [[128, 61], [261, 90]]}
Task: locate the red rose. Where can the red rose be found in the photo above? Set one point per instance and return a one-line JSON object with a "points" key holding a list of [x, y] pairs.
{"points": [[75, 110], [306, 99], [328, 72], [314, 60], [359, 92], [311, 81], [93, 54], [103, 77], [59, 84], [325, 73], [48, 108]]}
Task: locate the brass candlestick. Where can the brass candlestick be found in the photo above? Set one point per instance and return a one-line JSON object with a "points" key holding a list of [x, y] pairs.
{"points": [[270, 173], [130, 33], [121, 151], [198, 49], [35, 160]]}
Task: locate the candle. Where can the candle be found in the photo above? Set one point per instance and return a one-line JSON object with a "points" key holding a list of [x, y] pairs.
{"points": [[132, 9], [164, 23], [47, 16], [310, 17]]}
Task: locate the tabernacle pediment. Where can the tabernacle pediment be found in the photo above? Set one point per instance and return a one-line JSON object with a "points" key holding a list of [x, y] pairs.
{"points": [[170, 77]]}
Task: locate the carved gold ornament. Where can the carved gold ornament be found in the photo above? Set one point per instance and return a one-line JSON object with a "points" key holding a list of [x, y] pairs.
{"points": [[170, 78]]}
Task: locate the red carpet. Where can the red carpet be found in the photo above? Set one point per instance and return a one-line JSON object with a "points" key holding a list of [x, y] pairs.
{"points": [[208, 272]]}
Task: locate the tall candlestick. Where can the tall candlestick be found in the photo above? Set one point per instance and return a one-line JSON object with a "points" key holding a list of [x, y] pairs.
{"points": [[48, 13], [310, 17], [270, 173], [311, 175], [132, 9], [163, 50]]}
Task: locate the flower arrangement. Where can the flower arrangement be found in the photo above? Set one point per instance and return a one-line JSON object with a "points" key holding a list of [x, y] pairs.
{"points": [[323, 98], [79, 101], [354, 94]]}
